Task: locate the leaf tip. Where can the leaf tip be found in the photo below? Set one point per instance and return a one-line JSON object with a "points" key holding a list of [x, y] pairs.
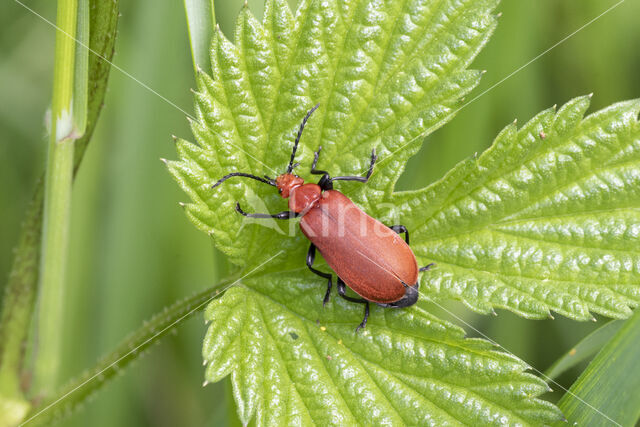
{"points": [[499, 15], [163, 160], [205, 383], [590, 95], [182, 204]]}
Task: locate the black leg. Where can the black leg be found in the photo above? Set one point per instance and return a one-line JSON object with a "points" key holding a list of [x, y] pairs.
{"points": [[281, 215], [342, 292], [311, 256], [360, 178], [401, 229], [315, 163], [427, 267], [325, 182]]}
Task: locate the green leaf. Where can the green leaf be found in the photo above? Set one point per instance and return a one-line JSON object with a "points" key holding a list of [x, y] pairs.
{"points": [[20, 291], [546, 219], [585, 349], [407, 368], [607, 391], [386, 74]]}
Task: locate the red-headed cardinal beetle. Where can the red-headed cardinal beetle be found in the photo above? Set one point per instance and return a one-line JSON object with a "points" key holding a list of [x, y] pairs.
{"points": [[367, 256]]}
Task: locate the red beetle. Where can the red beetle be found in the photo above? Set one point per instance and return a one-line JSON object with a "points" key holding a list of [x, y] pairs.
{"points": [[369, 257]]}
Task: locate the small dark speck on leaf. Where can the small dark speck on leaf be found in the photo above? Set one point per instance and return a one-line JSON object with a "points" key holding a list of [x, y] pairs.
{"points": [[293, 335]]}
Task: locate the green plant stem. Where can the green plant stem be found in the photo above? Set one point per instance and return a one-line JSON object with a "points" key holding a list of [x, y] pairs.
{"points": [[80, 388], [201, 20], [57, 202], [17, 311], [21, 287]]}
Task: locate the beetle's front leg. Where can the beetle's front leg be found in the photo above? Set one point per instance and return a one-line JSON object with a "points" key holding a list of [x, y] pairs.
{"points": [[362, 179], [281, 215], [342, 292]]}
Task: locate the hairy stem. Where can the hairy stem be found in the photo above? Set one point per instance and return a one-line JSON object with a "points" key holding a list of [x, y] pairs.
{"points": [[57, 201], [21, 287], [80, 388]]}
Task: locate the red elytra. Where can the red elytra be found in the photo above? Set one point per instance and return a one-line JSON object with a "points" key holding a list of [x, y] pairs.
{"points": [[366, 255]]}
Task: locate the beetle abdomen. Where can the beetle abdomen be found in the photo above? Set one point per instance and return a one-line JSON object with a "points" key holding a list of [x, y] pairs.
{"points": [[368, 256]]}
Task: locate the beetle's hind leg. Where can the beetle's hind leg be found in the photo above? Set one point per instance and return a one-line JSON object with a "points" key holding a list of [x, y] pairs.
{"points": [[342, 292], [427, 267], [311, 256], [401, 229]]}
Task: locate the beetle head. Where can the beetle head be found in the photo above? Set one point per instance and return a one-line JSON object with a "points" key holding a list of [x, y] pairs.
{"points": [[287, 182]]}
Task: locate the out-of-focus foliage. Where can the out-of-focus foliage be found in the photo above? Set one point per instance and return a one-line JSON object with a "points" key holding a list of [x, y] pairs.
{"points": [[126, 261], [609, 384]]}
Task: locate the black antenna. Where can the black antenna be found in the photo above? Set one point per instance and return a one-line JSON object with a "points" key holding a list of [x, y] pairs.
{"points": [[295, 144], [246, 175]]}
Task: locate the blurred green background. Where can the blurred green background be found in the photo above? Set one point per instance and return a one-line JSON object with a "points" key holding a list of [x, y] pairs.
{"points": [[134, 252]]}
